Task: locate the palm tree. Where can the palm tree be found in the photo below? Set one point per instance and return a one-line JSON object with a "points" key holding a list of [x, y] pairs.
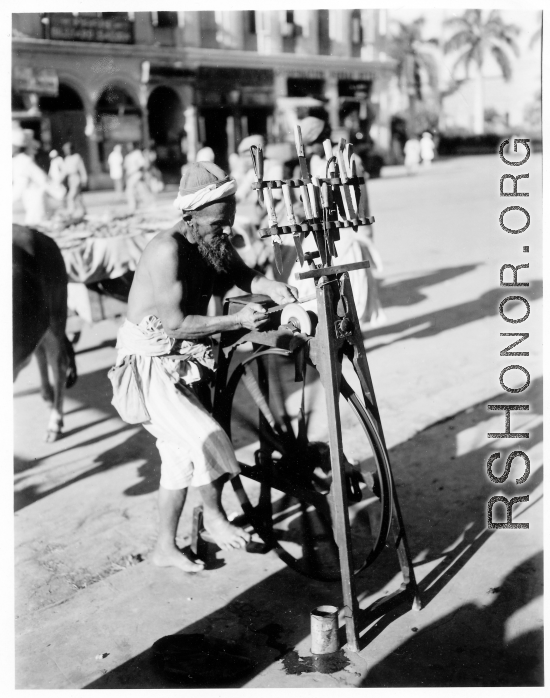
{"points": [[475, 37], [413, 58], [537, 36]]}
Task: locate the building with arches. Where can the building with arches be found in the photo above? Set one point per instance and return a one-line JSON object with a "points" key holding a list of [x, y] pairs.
{"points": [[177, 81]]}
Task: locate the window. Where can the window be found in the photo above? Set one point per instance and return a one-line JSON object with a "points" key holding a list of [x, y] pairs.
{"points": [[305, 87], [167, 19], [251, 21], [290, 16]]}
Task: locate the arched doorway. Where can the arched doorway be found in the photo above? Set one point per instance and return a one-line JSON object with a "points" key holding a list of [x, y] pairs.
{"points": [[166, 127], [64, 120], [118, 120]]}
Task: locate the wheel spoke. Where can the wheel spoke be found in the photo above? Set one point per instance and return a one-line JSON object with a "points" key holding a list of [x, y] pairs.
{"points": [[267, 434], [278, 397], [262, 404], [293, 457]]}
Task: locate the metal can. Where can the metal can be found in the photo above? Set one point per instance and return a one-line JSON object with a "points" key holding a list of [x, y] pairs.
{"points": [[324, 630]]}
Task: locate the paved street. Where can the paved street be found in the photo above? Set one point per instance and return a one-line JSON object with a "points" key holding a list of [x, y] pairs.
{"points": [[89, 604]]}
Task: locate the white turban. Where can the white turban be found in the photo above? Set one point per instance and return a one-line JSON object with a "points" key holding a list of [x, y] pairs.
{"points": [[311, 128], [203, 183], [244, 145], [205, 155]]}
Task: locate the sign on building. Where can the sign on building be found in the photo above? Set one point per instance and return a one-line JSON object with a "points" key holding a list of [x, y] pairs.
{"points": [[42, 81], [107, 30], [126, 128]]}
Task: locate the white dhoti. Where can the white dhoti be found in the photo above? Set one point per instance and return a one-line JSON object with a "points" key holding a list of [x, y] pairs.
{"points": [[194, 448]]}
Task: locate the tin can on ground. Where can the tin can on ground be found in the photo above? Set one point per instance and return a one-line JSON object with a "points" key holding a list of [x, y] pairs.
{"points": [[324, 630]]}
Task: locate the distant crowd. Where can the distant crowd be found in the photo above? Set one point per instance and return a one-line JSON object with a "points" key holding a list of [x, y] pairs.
{"points": [[133, 173], [419, 152]]}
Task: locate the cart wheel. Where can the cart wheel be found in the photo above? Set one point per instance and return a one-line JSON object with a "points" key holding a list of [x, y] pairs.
{"points": [[284, 454]]}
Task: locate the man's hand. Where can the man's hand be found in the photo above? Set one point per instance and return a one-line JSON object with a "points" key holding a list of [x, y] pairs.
{"points": [[252, 316], [282, 293]]}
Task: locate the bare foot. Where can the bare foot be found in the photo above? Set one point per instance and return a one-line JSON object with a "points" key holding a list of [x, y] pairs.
{"points": [[173, 557], [224, 534]]}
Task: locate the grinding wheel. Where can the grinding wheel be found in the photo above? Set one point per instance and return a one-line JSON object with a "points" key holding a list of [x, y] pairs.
{"points": [[293, 314]]}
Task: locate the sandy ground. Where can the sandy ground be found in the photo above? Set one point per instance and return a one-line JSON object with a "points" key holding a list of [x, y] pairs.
{"points": [[88, 602]]}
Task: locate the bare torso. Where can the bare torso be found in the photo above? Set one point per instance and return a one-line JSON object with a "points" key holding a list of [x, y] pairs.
{"points": [[193, 272]]}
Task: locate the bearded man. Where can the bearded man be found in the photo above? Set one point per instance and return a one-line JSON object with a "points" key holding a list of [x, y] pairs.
{"points": [[166, 338]]}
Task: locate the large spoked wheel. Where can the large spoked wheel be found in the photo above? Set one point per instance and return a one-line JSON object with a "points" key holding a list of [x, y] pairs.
{"points": [[279, 430]]}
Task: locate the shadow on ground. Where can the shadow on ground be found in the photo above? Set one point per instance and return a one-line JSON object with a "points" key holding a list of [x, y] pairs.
{"points": [[409, 291], [444, 497], [93, 391], [442, 653], [449, 318]]}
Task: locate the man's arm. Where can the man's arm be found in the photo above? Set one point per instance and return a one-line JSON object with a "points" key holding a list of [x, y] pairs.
{"points": [[252, 281], [170, 294]]}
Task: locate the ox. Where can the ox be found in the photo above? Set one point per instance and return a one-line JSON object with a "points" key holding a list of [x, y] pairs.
{"points": [[40, 316]]}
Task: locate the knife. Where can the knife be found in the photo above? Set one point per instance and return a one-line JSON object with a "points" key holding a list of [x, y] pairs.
{"points": [[305, 299], [335, 194], [363, 209], [345, 187], [301, 154], [257, 154], [351, 172], [276, 238], [305, 190], [292, 221], [325, 203]]}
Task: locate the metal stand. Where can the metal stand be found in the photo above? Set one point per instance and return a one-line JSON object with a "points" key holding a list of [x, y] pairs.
{"points": [[339, 335], [330, 204]]}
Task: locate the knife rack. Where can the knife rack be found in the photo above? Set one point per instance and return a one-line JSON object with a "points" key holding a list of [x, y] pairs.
{"points": [[307, 226]]}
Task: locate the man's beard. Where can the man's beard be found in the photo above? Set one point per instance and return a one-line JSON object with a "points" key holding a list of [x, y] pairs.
{"points": [[217, 252]]}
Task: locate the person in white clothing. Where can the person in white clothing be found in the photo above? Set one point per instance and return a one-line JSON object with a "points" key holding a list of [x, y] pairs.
{"points": [[30, 182], [134, 170], [427, 149], [115, 161], [77, 178], [412, 155], [56, 172], [352, 247]]}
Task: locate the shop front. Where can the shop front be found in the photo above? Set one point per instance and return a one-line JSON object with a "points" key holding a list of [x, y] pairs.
{"points": [[232, 104], [118, 120]]}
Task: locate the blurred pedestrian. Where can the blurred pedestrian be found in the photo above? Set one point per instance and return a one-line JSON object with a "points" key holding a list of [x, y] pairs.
{"points": [[115, 161], [353, 246], [56, 172], [314, 132], [153, 176], [427, 149], [134, 169], [412, 155], [30, 182], [243, 172], [245, 239], [77, 178]]}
